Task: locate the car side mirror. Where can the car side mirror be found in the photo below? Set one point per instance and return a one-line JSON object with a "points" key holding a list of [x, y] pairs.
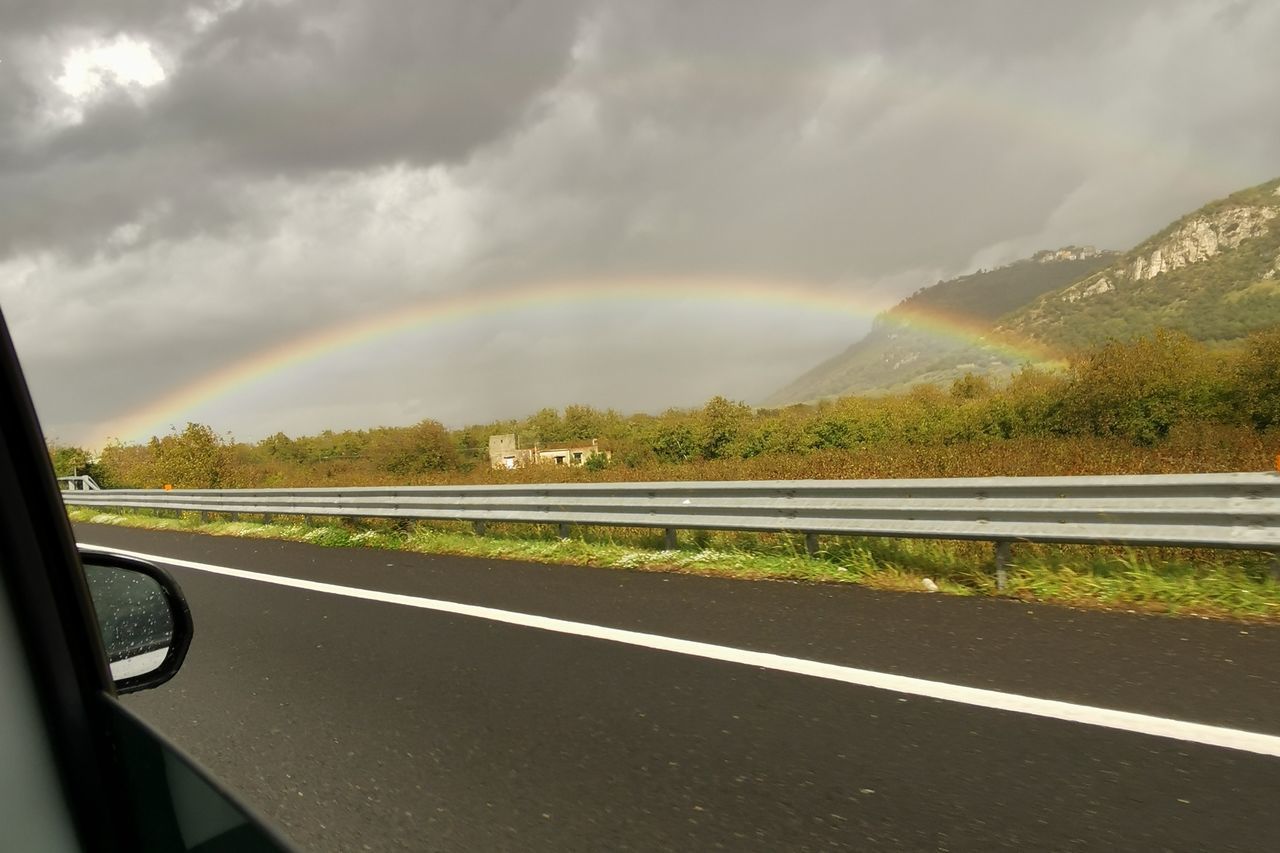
{"points": [[143, 619]]}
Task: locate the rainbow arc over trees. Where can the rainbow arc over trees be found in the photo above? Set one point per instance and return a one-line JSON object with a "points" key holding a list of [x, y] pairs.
{"points": [[176, 406]]}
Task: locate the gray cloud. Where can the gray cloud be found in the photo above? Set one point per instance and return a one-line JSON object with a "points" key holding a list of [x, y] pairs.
{"points": [[289, 89], [306, 164], [298, 88], [27, 18]]}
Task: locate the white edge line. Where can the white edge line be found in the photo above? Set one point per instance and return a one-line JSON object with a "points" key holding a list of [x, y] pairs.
{"points": [[1237, 739], [139, 664]]}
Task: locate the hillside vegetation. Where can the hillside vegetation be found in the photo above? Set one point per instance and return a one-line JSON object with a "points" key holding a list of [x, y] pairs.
{"points": [[1163, 403], [990, 294], [1213, 274]]}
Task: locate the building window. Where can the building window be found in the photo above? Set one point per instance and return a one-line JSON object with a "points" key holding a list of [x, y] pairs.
{"points": [[559, 460], [577, 459]]}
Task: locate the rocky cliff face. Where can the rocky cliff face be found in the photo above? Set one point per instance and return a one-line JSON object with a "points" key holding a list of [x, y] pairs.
{"points": [[1066, 253], [1202, 238], [1274, 271]]}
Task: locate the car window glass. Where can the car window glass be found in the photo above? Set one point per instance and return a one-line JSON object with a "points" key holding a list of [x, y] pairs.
{"points": [[133, 617]]}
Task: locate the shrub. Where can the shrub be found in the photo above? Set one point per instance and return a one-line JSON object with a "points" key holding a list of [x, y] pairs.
{"points": [[1258, 379], [1140, 391]]}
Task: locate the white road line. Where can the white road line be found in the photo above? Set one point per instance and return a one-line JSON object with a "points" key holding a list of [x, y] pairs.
{"points": [[1255, 742], [139, 665]]}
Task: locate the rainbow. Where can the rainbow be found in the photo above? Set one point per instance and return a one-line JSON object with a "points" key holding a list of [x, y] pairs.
{"points": [[1005, 108], [165, 411]]}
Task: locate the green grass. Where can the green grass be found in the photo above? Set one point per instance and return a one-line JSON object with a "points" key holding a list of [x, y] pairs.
{"points": [[1172, 581]]}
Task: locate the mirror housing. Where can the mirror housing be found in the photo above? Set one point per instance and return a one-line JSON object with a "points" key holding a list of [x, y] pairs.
{"points": [[143, 619]]}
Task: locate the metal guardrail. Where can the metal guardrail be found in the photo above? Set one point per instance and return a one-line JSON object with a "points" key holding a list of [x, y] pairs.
{"points": [[1237, 511], [83, 483]]}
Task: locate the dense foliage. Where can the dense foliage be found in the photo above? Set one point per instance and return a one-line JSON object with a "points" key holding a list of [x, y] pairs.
{"points": [[1159, 404]]}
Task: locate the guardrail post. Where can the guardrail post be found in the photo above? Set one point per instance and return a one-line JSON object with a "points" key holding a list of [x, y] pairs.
{"points": [[563, 529], [1003, 553], [477, 527], [204, 517], [267, 517], [1275, 567], [669, 539], [811, 544]]}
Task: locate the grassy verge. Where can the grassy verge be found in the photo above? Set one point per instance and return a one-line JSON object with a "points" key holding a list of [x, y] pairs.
{"points": [[1159, 580]]}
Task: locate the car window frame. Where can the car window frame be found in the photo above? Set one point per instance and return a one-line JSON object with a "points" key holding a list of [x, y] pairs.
{"points": [[95, 741], [53, 615]]}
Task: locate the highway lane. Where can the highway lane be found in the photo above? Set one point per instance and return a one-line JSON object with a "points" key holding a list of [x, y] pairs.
{"points": [[358, 723]]}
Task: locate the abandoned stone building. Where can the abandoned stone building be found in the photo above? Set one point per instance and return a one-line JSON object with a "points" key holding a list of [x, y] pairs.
{"points": [[505, 452]]}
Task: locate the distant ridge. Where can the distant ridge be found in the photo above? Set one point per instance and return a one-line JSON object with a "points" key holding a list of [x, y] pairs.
{"points": [[1213, 274]]}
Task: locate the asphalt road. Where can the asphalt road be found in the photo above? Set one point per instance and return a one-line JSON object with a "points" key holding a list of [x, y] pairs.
{"points": [[358, 724]]}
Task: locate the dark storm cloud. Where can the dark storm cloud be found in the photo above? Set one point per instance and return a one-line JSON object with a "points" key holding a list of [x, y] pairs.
{"points": [[271, 89], [296, 88], [860, 141], [306, 163], [39, 17], [277, 89]]}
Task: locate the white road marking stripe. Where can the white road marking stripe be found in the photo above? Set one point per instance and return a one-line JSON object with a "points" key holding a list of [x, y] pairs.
{"points": [[139, 665], [1238, 739]]}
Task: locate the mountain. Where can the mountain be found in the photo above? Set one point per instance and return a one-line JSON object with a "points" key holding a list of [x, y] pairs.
{"points": [[1214, 274], [936, 334]]}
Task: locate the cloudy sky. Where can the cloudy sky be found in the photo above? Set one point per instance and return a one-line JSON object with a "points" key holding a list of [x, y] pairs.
{"points": [[629, 204]]}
